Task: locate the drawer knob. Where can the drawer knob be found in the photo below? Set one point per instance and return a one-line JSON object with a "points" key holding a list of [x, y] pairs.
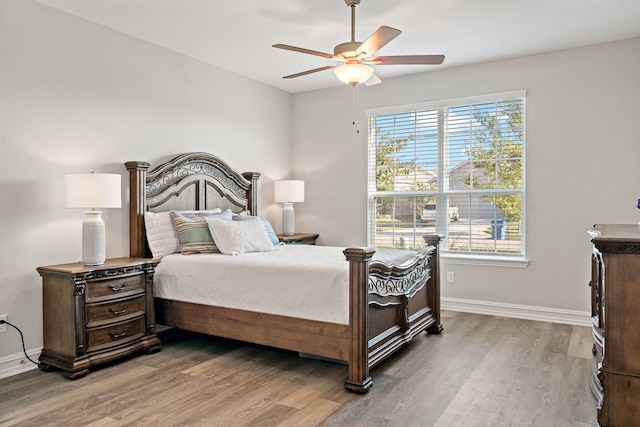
{"points": [[118, 312], [114, 288], [116, 335]]}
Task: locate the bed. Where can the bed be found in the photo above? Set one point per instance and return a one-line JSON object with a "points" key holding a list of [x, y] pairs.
{"points": [[388, 304]]}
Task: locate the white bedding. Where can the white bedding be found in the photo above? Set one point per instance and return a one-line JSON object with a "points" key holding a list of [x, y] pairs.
{"points": [[268, 282]]}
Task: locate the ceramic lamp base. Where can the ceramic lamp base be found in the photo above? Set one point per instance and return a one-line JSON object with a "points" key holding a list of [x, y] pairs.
{"points": [[288, 220], [93, 239]]}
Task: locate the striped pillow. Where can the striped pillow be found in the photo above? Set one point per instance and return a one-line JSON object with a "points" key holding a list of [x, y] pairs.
{"points": [[161, 232], [193, 231]]}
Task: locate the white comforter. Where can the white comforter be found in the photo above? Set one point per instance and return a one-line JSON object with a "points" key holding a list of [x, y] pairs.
{"points": [[310, 282]]}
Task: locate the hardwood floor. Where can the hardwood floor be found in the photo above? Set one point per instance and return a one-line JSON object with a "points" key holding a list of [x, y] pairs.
{"points": [[481, 371]]}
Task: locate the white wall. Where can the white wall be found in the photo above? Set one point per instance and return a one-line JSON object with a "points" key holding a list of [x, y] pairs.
{"points": [[582, 154], [77, 97]]}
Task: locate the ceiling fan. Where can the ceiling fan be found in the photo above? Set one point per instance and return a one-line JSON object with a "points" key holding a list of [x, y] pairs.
{"points": [[357, 56]]}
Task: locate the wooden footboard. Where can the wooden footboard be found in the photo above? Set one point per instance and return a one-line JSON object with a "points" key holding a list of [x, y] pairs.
{"points": [[389, 306]]}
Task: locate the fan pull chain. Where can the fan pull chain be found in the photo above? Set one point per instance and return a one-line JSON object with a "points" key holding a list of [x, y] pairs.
{"points": [[356, 99]]}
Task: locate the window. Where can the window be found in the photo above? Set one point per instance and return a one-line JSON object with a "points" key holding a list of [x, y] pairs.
{"points": [[455, 168]]}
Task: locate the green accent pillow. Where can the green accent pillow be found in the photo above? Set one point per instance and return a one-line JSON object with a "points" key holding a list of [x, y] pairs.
{"points": [[193, 231]]}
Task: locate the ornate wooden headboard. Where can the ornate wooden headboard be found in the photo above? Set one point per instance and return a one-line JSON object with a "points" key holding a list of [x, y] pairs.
{"points": [[191, 181]]}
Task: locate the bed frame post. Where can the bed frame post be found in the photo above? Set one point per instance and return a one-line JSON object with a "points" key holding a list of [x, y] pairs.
{"points": [[253, 195], [434, 289], [137, 207], [359, 380]]}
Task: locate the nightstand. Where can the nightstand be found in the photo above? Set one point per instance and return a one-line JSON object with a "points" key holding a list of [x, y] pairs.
{"points": [[96, 314], [298, 239]]}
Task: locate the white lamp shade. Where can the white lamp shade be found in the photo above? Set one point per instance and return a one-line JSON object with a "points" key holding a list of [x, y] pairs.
{"points": [[353, 74], [92, 190], [288, 191]]}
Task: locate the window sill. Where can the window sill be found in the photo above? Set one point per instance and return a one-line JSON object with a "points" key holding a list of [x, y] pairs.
{"points": [[483, 260]]}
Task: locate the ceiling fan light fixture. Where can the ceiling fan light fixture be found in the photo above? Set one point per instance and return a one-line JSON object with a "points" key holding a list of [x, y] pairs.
{"points": [[353, 74], [354, 53]]}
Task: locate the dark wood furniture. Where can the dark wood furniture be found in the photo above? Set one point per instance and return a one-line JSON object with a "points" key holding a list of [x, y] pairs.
{"points": [[389, 305], [615, 294], [299, 239], [96, 314]]}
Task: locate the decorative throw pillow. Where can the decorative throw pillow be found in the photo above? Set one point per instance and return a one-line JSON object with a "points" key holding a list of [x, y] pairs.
{"points": [[161, 232], [267, 227], [193, 231], [239, 237]]}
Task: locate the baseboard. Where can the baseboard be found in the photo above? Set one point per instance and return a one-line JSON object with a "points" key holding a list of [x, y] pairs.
{"points": [[15, 364], [542, 314]]}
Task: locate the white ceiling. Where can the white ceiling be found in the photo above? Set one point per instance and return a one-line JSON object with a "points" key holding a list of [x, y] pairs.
{"points": [[237, 34]]}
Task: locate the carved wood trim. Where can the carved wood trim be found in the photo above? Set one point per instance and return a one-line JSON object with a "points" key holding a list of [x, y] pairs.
{"points": [[386, 280], [149, 270], [200, 169], [178, 168], [80, 285]]}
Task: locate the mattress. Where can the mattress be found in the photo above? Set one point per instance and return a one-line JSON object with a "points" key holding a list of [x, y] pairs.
{"points": [[303, 281]]}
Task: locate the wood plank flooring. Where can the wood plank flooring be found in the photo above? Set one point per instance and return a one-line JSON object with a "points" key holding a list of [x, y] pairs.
{"points": [[481, 371]]}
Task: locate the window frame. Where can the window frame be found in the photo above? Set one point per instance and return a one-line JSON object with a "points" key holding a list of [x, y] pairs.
{"points": [[442, 193]]}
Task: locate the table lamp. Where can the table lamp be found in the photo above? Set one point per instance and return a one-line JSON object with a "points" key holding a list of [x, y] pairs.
{"points": [[288, 192], [93, 190]]}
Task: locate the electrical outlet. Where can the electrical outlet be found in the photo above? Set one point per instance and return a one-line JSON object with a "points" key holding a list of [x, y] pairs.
{"points": [[451, 277], [3, 327]]}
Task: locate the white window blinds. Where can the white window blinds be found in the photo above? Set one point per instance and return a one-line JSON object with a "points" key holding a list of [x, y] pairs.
{"points": [[454, 167]]}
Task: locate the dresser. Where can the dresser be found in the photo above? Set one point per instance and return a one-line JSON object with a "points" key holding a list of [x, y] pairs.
{"points": [[615, 315], [96, 314]]}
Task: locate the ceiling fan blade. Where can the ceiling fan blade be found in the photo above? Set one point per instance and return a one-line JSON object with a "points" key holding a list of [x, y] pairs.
{"points": [[302, 50], [407, 60], [304, 73], [381, 37], [373, 80]]}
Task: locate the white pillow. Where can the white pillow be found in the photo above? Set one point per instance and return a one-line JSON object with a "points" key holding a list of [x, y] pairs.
{"points": [[161, 232], [239, 237], [267, 227]]}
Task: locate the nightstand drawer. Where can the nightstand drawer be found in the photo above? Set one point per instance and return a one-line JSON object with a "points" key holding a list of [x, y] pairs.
{"points": [[114, 287], [101, 314], [115, 334]]}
